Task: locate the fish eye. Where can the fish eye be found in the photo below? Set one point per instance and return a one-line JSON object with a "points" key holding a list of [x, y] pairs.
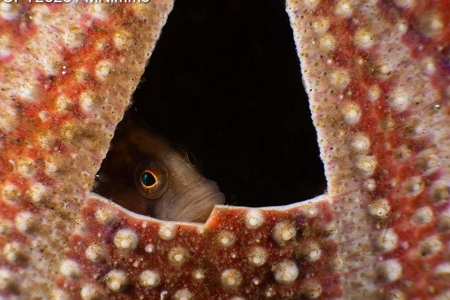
{"points": [[148, 179], [151, 179]]}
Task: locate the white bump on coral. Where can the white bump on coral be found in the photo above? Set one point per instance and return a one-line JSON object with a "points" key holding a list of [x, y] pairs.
{"points": [[178, 255], [36, 192], [320, 25], [374, 93], [352, 113], [50, 165], [423, 216], [327, 42], [253, 219], [226, 238], [330, 230], [363, 38], [367, 164], [430, 65], [8, 115], [69, 268], [6, 279], [117, 280], [269, 292], [73, 38], [149, 278], [428, 161], [387, 240], [62, 104], [183, 294], [199, 274], [443, 270], [122, 39], [285, 271], [370, 185], [25, 221], [389, 270], [312, 290], [9, 11], [399, 99], [126, 239], [90, 292], [430, 246], [10, 192], [311, 4], [385, 68], [26, 166], [231, 278], [68, 130], [149, 248], [98, 11], [344, 9], [103, 69], [58, 294], [309, 210], [167, 231], [28, 90], [431, 24], [379, 208], [283, 232], [86, 101], [81, 75], [257, 256], [361, 143], [440, 191], [339, 79], [5, 46], [14, 253], [313, 252], [256, 281], [104, 216], [413, 186], [95, 253], [445, 295], [402, 152]]}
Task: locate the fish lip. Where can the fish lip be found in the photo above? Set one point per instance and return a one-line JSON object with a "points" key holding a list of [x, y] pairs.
{"points": [[196, 203]]}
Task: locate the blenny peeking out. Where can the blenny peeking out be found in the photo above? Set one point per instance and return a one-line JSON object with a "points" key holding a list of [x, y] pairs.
{"points": [[161, 182]]}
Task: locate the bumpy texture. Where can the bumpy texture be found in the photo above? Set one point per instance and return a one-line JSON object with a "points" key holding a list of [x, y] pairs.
{"points": [[377, 74], [67, 74]]}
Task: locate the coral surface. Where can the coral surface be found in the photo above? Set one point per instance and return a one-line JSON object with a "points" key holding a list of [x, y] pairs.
{"points": [[377, 73]]}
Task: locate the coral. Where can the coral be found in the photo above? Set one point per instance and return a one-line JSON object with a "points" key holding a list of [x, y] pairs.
{"points": [[377, 76], [67, 74]]}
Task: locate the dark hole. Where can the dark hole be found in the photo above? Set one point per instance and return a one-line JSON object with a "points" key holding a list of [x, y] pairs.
{"points": [[224, 80], [191, 157]]}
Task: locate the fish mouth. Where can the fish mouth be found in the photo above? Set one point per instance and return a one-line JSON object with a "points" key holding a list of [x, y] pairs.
{"points": [[194, 204]]}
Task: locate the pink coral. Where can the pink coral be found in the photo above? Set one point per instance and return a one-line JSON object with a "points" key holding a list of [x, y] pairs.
{"points": [[377, 76]]}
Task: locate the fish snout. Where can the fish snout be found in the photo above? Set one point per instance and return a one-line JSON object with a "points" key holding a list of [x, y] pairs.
{"points": [[194, 204]]}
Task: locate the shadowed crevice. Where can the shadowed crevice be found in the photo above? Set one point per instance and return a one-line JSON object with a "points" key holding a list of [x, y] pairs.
{"points": [[224, 81]]}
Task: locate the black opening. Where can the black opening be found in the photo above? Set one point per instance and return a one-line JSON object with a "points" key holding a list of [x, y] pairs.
{"points": [[224, 81]]}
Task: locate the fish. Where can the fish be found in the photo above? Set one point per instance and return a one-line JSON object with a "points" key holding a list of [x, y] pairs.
{"points": [[145, 173]]}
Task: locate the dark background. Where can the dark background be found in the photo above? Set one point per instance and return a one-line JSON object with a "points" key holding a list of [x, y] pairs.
{"points": [[224, 81]]}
